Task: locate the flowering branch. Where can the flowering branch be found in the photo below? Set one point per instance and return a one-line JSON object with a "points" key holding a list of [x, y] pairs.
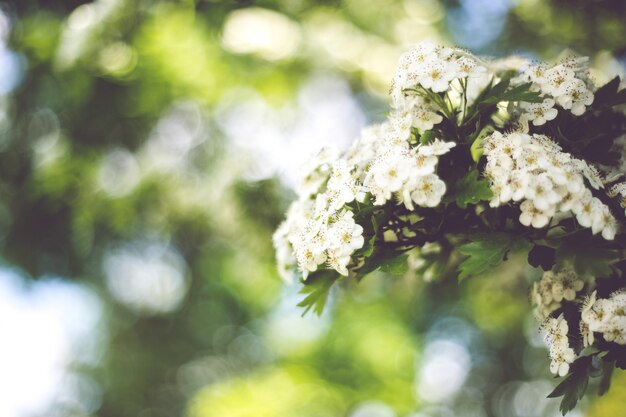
{"points": [[483, 158]]}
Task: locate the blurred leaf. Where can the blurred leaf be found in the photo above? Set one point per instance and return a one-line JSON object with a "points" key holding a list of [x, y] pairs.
{"points": [[586, 258], [487, 251], [607, 373], [317, 286], [395, 266], [542, 256], [608, 95], [573, 387]]}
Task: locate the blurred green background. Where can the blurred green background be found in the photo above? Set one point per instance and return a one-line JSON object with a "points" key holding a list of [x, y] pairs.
{"points": [[148, 149]]}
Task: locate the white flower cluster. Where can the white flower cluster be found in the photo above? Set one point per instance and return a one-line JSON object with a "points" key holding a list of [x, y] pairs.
{"points": [[406, 173], [619, 189], [598, 315], [315, 234], [431, 68], [561, 354], [547, 296], [606, 316], [566, 84], [535, 171], [554, 287], [382, 165]]}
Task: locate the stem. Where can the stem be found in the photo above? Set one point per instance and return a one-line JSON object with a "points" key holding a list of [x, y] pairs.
{"points": [[464, 85]]}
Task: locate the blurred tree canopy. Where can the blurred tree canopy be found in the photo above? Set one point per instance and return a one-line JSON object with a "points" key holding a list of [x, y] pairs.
{"points": [[136, 157]]}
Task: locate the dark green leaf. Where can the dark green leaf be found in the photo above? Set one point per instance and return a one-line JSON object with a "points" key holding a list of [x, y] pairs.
{"points": [[395, 266], [317, 286], [428, 136], [519, 93], [573, 387], [586, 257], [470, 190], [542, 256], [498, 89], [369, 247], [607, 92], [605, 381], [487, 251]]}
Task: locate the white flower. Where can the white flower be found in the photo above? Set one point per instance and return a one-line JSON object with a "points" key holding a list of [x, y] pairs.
{"points": [[541, 297], [518, 184], [428, 191], [424, 164], [561, 354], [342, 187], [436, 76], [537, 73], [605, 222], [345, 236], [575, 97], [592, 174], [316, 171], [387, 174], [540, 191], [468, 67], [616, 331], [587, 209], [539, 113], [561, 358], [556, 80], [436, 147], [309, 258], [597, 313], [565, 285], [425, 118], [531, 215]]}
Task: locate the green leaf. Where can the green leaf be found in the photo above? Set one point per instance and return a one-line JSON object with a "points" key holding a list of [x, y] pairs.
{"points": [[487, 251], [428, 136], [498, 90], [605, 381], [573, 387], [395, 266], [605, 94], [589, 351], [477, 149], [608, 95], [317, 287], [470, 190], [542, 256], [369, 247], [586, 257], [519, 93]]}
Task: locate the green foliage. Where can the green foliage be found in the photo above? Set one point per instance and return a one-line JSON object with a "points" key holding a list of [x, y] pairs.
{"points": [[428, 136], [395, 266], [542, 256], [574, 386], [499, 93], [609, 94], [486, 251], [607, 373], [586, 257], [317, 287], [471, 190]]}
